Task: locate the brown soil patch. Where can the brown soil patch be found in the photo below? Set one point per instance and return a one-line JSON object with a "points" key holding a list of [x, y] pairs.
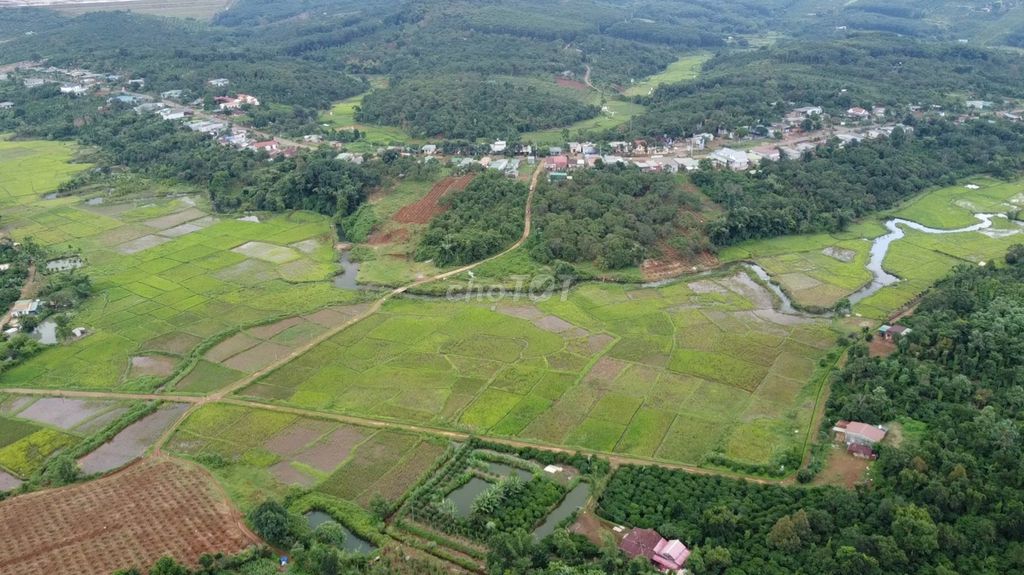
{"points": [[294, 438], [881, 347], [178, 343], [379, 238], [606, 369], [672, 264], [154, 365], [270, 330], [288, 475], [595, 529], [429, 206], [842, 469], [335, 316], [175, 219], [230, 347], [596, 343], [132, 518], [258, 357], [521, 311], [328, 454], [553, 323], [571, 84]]}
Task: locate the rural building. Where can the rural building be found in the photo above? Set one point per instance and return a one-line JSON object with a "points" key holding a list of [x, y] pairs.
{"points": [[808, 111], [172, 94], [74, 89], [24, 307], [861, 451], [892, 332], [508, 167], [206, 127], [219, 82], [701, 141], [350, 157], [429, 149], [269, 146], [575, 148], [858, 113], [667, 556], [979, 104], [689, 164], [558, 177], [555, 151], [6, 105], [730, 158], [499, 146], [4, 267], [227, 103], [556, 163], [619, 147], [33, 82], [857, 433]]}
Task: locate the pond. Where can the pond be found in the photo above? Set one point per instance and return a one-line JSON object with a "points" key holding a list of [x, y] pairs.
{"points": [[349, 273], [64, 264], [573, 501], [353, 543], [505, 470], [46, 333], [464, 496]]}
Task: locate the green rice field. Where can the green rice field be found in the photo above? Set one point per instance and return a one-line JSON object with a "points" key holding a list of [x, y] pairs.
{"points": [[609, 368]]}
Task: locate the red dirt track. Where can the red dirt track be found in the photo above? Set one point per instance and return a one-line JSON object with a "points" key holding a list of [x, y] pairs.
{"points": [[424, 210], [129, 519]]}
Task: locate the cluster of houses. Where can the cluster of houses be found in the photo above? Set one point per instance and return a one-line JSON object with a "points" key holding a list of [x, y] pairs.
{"points": [[860, 438]]}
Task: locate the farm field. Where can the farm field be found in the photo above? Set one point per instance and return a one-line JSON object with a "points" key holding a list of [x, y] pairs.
{"points": [[161, 506], [29, 169], [619, 112], [258, 453], [33, 429], [168, 278], [819, 270], [684, 69], [342, 115], [677, 373]]}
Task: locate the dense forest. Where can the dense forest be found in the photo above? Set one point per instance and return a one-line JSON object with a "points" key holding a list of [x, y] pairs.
{"points": [[470, 108], [756, 87], [611, 217], [947, 500], [481, 220], [827, 189]]}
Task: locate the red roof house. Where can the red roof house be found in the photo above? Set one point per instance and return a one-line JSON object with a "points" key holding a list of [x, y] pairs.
{"points": [[557, 163], [861, 451], [667, 556], [855, 432]]}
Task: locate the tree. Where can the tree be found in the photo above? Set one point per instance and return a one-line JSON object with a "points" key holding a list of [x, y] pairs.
{"points": [[272, 522], [168, 566], [61, 470], [1015, 254], [915, 531]]}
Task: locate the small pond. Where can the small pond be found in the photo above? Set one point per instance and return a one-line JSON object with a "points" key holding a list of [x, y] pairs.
{"points": [[505, 470], [464, 496], [46, 333], [573, 501], [353, 543], [349, 273], [64, 264]]}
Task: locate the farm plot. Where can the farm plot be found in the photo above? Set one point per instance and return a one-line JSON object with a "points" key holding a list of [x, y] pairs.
{"points": [[32, 430], [161, 506], [429, 206], [29, 169], [603, 369], [685, 69], [155, 303], [132, 442], [259, 453]]}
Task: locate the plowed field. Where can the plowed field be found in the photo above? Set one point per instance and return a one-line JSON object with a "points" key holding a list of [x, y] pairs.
{"points": [[424, 210], [129, 519]]}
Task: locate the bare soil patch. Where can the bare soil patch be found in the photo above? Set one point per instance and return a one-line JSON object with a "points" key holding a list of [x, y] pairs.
{"points": [[288, 475], [564, 82], [133, 441], [672, 263], [429, 206], [270, 330], [230, 347], [553, 323], [606, 369], [380, 237], [881, 347], [258, 357], [334, 316], [154, 365], [521, 311], [596, 343], [593, 528], [328, 454], [292, 439], [132, 518], [178, 343], [842, 469]]}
